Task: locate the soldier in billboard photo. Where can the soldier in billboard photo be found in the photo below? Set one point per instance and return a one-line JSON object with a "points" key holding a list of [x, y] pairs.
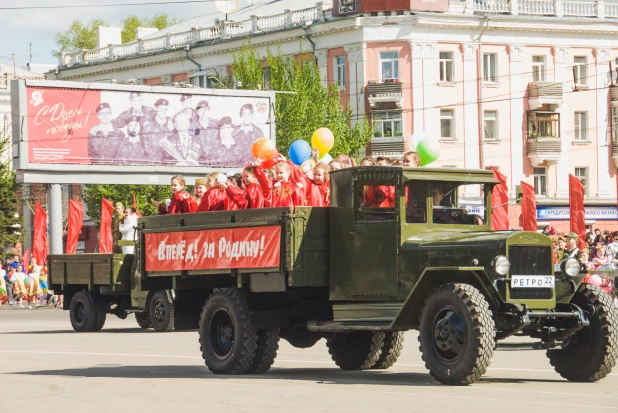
{"points": [[247, 132], [225, 150], [137, 110], [206, 129], [181, 148], [188, 107], [131, 149], [104, 139], [156, 130]]}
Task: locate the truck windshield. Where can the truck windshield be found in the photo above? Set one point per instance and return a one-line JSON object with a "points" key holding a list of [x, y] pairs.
{"points": [[457, 203]]}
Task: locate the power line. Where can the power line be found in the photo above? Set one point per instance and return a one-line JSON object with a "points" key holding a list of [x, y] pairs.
{"points": [[86, 6]]}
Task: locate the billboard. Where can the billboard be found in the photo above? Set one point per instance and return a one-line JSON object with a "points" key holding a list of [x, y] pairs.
{"points": [[143, 132]]}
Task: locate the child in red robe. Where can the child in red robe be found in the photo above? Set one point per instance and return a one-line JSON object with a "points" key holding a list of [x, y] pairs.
{"points": [[280, 192], [215, 198], [316, 185], [182, 202], [251, 197]]}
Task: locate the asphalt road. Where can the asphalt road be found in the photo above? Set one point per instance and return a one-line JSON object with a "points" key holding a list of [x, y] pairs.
{"points": [[45, 366]]}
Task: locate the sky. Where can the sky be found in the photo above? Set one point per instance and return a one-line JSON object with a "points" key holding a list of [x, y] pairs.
{"points": [[19, 28]]}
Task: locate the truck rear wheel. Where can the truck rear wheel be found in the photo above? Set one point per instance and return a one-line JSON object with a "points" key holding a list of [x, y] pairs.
{"points": [[358, 350], [161, 312], [391, 350], [456, 334], [591, 353], [99, 320], [82, 312], [143, 320], [227, 341], [266, 352]]}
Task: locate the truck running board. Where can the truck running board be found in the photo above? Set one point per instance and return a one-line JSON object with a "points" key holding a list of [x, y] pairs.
{"points": [[339, 327]]}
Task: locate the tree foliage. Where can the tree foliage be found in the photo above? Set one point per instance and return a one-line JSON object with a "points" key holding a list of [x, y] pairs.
{"points": [[131, 23], [311, 106], [11, 224]]}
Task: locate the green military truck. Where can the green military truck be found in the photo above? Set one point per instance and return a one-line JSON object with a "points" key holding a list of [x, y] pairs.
{"points": [[399, 249]]}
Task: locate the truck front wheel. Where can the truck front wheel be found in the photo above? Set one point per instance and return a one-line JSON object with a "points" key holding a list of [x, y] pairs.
{"points": [[227, 341], [456, 334], [359, 350], [591, 353], [161, 312], [82, 312]]}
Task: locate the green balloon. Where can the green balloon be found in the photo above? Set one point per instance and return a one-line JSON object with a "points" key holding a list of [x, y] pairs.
{"points": [[428, 150]]}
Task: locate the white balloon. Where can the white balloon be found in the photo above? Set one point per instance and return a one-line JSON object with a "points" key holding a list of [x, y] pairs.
{"points": [[415, 139]]}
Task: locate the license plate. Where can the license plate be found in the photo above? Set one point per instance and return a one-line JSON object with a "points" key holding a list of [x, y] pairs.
{"points": [[532, 281]]}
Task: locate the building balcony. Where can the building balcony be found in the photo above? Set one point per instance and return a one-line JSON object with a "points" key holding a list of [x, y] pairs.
{"points": [[613, 95], [385, 94], [544, 149], [389, 147], [545, 93]]}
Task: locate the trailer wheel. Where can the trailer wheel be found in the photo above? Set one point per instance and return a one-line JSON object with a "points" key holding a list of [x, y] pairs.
{"points": [[161, 312], [591, 353], [456, 334], [358, 350], [266, 352], [391, 350], [227, 341], [82, 312], [143, 320]]}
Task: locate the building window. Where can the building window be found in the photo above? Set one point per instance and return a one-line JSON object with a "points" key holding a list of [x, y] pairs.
{"points": [[339, 71], [538, 68], [446, 66], [579, 71], [447, 124], [582, 175], [581, 126], [540, 181], [266, 78], [490, 120], [490, 69], [389, 65], [543, 125], [387, 125], [615, 124]]}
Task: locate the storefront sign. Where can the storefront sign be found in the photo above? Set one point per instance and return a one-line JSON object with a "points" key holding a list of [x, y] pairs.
{"points": [[550, 213], [257, 247]]}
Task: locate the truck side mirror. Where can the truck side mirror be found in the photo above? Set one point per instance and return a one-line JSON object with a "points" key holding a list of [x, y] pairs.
{"points": [[519, 194]]}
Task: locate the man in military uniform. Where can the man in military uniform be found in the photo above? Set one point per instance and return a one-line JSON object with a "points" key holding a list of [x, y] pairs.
{"points": [[156, 130], [188, 108], [137, 111], [181, 148], [571, 249], [117, 235], [206, 131], [104, 139], [247, 133]]}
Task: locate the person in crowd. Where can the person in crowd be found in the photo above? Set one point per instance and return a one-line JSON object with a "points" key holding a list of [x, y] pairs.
{"points": [[104, 139], [346, 161], [156, 130], [216, 198], [181, 202], [612, 249], [34, 285], [383, 161], [367, 162], [116, 234], [137, 112], [127, 229], [561, 248], [200, 188], [19, 287], [280, 192], [317, 188], [251, 196], [600, 259], [8, 283], [411, 158], [571, 249], [597, 236], [335, 165]]}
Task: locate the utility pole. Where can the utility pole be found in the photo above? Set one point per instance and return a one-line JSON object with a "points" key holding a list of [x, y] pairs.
{"points": [[30, 60], [14, 67]]}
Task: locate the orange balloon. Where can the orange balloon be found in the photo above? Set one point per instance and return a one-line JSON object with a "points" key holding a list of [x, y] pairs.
{"points": [[263, 148], [271, 162]]}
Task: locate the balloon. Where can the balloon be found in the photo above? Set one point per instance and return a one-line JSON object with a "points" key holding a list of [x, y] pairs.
{"points": [[299, 152], [271, 162], [415, 139], [323, 140], [326, 159], [263, 148], [428, 150]]}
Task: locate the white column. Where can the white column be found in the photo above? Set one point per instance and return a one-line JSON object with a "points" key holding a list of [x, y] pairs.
{"points": [[603, 141], [470, 134], [424, 80], [321, 57], [357, 56], [54, 207], [517, 114], [561, 55]]}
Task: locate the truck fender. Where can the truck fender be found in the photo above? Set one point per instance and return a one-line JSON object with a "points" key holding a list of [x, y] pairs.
{"points": [[433, 277]]}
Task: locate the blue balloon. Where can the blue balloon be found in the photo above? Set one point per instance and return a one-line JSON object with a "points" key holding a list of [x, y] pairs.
{"points": [[299, 152]]}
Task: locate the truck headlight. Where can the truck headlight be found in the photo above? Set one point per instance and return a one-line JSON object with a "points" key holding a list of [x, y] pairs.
{"points": [[570, 267], [502, 265]]}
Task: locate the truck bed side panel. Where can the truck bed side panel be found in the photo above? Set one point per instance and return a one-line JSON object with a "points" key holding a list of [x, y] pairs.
{"points": [[309, 247]]}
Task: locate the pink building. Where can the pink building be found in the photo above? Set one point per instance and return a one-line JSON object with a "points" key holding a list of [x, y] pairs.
{"points": [[526, 86]]}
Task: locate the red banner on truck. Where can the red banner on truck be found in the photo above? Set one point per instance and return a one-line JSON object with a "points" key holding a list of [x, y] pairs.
{"points": [[257, 247]]}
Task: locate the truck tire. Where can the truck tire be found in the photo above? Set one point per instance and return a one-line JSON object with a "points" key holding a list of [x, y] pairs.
{"points": [[590, 354], [358, 350], [161, 312], [143, 320], [227, 341], [99, 320], [82, 312], [266, 351], [456, 334], [391, 350]]}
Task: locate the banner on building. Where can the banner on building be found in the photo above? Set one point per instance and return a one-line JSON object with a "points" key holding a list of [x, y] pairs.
{"points": [[256, 247], [591, 213]]}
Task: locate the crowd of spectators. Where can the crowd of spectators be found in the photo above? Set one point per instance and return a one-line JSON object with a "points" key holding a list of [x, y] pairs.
{"points": [[25, 283]]}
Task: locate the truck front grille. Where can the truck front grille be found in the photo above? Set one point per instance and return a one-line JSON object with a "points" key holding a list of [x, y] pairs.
{"points": [[529, 260]]}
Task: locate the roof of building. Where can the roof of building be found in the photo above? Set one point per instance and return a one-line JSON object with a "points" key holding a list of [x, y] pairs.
{"points": [[41, 68], [20, 73]]}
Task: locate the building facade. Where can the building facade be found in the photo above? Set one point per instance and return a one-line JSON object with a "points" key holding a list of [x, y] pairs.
{"points": [[526, 86]]}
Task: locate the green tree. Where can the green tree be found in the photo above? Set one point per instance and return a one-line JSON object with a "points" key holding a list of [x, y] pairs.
{"points": [[11, 223], [311, 106], [131, 23]]}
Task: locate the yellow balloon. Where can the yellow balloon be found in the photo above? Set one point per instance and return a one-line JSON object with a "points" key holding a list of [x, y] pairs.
{"points": [[323, 140]]}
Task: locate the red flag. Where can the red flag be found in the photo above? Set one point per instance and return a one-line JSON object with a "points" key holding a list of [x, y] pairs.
{"points": [[135, 205], [25, 261], [576, 209], [39, 246], [106, 242], [528, 207], [499, 200], [76, 220]]}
